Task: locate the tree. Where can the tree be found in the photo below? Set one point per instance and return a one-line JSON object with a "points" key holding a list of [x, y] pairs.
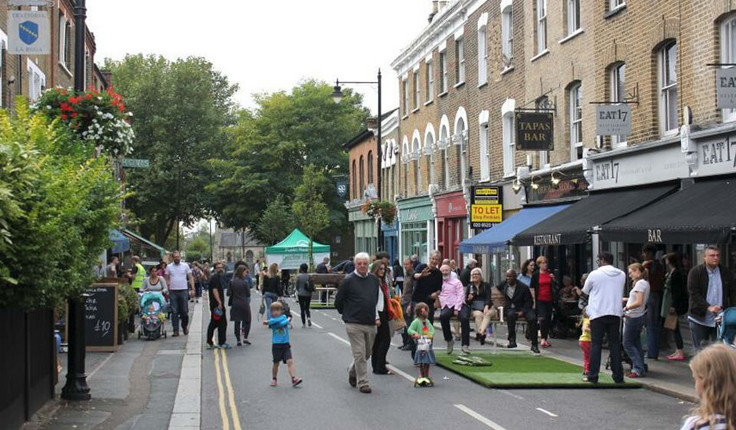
{"points": [[310, 210], [269, 147], [276, 222], [181, 110], [197, 249]]}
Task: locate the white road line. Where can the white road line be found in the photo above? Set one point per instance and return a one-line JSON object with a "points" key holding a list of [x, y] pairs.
{"points": [[479, 417], [99, 366], [547, 412], [509, 393], [298, 315], [339, 338], [316, 325], [401, 373]]}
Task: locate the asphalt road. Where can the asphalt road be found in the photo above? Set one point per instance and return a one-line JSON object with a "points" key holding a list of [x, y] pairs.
{"points": [[325, 400]]}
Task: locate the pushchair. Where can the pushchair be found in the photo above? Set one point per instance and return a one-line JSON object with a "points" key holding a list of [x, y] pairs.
{"points": [[727, 326], [152, 316]]}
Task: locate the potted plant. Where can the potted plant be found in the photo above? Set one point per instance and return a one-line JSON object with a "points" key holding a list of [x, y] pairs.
{"points": [[382, 209]]}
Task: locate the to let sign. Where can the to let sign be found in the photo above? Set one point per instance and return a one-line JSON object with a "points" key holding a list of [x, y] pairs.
{"points": [[535, 131], [486, 214], [613, 120], [486, 207], [726, 88]]}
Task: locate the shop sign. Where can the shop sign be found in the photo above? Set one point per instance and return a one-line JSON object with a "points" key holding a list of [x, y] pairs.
{"points": [[534, 131], [642, 167], [486, 208], [28, 33], [613, 120], [547, 239], [546, 191], [717, 156], [451, 206], [417, 214], [726, 88]]}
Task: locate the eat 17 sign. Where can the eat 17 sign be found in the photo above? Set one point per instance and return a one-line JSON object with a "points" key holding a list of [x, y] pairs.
{"points": [[613, 120]]}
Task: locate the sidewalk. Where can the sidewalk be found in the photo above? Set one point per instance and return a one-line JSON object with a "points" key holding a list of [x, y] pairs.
{"points": [[133, 388]]}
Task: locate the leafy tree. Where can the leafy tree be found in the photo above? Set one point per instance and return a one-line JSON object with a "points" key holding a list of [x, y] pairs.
{"points": [[311, 212], [276, 222], [181, 110], [197, 249], [269, 147], [57, 207]]}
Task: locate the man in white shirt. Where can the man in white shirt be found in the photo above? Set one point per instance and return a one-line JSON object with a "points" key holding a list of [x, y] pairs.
{"points": [[178, 278], [605, 288]]}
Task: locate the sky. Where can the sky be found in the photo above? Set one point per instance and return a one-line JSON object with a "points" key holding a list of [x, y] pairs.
{"points": [[268, 46]]}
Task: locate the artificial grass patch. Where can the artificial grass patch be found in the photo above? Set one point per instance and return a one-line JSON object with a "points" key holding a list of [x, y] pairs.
{"points": [[318, 305], [523, 370]]}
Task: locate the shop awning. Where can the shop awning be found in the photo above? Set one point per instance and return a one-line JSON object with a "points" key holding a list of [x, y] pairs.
{"points": [[144, 242], [495, 239], [573, 224], [702, 212]]}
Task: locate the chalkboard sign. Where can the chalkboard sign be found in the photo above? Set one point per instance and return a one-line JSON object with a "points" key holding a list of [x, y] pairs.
{"points": [[101, 317]]}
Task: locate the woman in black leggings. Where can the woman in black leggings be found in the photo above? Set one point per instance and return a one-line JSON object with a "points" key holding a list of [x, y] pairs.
{"points": [[304, 290], [239, 289]]}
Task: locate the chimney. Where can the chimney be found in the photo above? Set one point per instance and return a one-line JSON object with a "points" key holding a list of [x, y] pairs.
{"points": [[435, 9], [443, 4], [371, 124]]}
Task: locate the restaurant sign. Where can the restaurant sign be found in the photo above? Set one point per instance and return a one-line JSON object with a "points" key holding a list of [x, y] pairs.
{"points": [[534, 131], [726, 88], [613, 120]]}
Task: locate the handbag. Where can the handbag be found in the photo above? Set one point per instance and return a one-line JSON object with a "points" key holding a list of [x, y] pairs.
{"points": [[399, 323], [671, 322], [262, 308], [217, 314], [423, 343]]}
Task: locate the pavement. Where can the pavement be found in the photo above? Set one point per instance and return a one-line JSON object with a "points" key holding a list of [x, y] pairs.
{"points": [[175, 383]]}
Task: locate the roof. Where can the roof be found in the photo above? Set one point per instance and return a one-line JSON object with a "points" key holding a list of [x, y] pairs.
{"points": [[361, 137], [230, 239], [296, 242]]}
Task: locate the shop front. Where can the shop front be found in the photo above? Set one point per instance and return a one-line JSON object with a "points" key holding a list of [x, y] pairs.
{"points": [[451, 224], [391, 239], [366, 232], [416, 227]]}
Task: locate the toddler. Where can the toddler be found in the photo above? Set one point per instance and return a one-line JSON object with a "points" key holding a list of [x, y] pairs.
{"points": [[585, 343]]}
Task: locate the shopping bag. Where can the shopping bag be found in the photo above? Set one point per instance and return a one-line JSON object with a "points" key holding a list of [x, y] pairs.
{"points": [[671, 322], [399, 323]]}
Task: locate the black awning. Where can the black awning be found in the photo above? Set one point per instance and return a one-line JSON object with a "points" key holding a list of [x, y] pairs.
{"points": [[572, 225], [703, 212]]}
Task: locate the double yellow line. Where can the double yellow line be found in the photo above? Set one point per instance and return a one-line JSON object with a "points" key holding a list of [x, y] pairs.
{"points": [[222, 372]]}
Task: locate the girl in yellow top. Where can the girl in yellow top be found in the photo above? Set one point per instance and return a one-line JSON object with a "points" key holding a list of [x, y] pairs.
{"points": [[422, 331], [585, 343]]}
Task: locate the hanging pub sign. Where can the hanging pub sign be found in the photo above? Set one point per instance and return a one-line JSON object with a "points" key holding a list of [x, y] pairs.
{"points": [[534, 131], [28, 33], [613, 120], [486, 208], [726, 88]]}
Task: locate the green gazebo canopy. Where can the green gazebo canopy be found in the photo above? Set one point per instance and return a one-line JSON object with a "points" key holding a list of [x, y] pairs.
{"points": [[296, 242]]}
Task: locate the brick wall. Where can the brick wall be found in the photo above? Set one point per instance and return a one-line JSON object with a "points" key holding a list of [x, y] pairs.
{"points": [[362, 149]]}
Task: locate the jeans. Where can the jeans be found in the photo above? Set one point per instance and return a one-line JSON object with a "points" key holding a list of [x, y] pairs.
{"points": [[531, 319], [464, 317], [270, 298], [221, 327], [304, 303], [632, 343], [678, 336], [654, 324], [361, 338], [544, 314], [198, 289], [701, 334], [381, 344], [610, 326], [179, 308]]}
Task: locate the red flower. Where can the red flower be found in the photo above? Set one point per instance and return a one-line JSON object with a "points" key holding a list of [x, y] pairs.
{"points": [[65, 107], [64, 117], [88, 96], [74, 114]]}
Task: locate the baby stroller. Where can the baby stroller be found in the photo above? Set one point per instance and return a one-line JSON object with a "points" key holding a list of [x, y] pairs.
{"points": [[152, 316], [727, 326]]}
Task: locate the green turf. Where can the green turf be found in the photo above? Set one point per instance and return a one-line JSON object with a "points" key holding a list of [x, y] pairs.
{"points": [[525, 370], [314, 305]]}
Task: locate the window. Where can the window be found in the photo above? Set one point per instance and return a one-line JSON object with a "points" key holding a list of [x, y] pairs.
{"points": [[508, 144], [405, 89], [459, 138], [614, 4], [36, 81], [430, 81], [618, 94], [416, 151], [728, 55], [361, 178], [416, 89], [370, 167], [460, 61], [443, 72], [541, 26], [444, 174], [573, 16], [429, 152], [575, 121], [65, 48], [668, 87], [507, 36], [354, 181], [485, 168], [482, 56]]}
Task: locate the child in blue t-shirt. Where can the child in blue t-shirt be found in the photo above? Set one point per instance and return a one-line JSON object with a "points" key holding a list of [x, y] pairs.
{"points": [[280, 348]]}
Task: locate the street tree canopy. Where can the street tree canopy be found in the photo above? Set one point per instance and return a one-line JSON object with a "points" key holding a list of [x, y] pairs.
{"points": [[311, 212]]}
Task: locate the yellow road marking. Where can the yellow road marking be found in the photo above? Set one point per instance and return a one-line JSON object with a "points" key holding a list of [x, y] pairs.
{"points": [[231, 393], [221, 393]]}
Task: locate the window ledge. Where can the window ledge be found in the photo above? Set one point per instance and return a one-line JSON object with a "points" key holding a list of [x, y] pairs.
{"points": [[483, 84], [415, 110], [406, 116], [540, 55], [571, 36], [442, 94], [620, 8], [508, 69], [428, 102], [459, 84], [64, 68]]}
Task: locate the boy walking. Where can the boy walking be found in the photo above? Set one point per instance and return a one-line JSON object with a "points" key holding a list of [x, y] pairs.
{"points": [[281, 348]]}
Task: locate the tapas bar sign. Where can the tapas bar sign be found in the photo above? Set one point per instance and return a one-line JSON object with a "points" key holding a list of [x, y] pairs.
{"points": [[534, 131]]}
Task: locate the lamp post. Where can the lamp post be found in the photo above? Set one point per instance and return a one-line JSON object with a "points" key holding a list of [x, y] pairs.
{"points": [[337, 97], [76, 387]]}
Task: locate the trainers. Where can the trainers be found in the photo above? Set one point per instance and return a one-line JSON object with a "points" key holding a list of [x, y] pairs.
{"points": [[296, 381], [466, 349], [585, 379], [633, 375], [535, 349], [209, 346], [365, 389], [176, 334], [224, 346], [309, 323], [352, 380], [512, 344], [186, 331], [240, 344], [246, 341], [545, 344], [450, 346], [273, 383], [676, 357]]}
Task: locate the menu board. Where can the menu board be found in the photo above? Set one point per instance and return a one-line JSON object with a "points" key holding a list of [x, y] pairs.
{"points": [[100, 317]]}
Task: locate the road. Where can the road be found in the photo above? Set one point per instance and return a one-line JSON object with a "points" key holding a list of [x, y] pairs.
{"points": [[326, 401]]}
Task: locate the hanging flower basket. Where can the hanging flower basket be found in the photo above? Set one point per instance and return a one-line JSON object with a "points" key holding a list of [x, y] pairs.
{"points": [[99, 118], [382, 209]]}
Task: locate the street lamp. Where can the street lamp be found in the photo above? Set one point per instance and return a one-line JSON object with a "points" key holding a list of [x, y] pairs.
{"points": [[337, 97]]}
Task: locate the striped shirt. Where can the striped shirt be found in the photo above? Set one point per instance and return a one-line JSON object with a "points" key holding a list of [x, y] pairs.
{"points": [[696, 423]]}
